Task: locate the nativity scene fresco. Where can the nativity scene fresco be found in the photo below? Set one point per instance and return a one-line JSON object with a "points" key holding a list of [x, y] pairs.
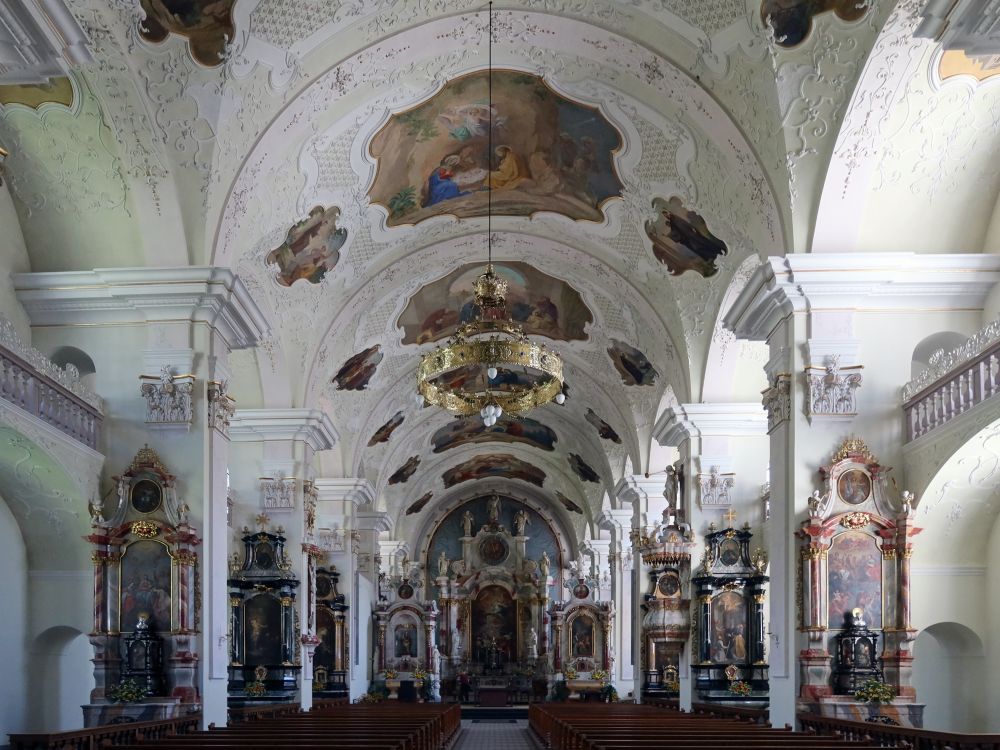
{"points": [[311, 247], [206, 24], [467, 430], [681, 239], [383, 433], [357, 371], [549, 153], [793, 19], [632, 365], [542, 304], [495, 465]]}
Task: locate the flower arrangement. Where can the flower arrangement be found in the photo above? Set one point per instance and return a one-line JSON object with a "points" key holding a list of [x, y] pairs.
{"points": [[875, 691], [371, 698], [419, 674], [391, 674], [127, 691], [740, 688], [255, 689], [571, 674], [672, 686], [609, 693], [599, 674]]}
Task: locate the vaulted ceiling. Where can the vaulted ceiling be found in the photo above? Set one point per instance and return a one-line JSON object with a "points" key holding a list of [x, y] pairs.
{"points": [[282, 138]]}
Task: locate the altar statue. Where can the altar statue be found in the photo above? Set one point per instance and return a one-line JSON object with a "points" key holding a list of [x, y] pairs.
{"points": [[532, 644], [493, 509], [520, 521], [467, 521], [443, 565], [544, 565]]}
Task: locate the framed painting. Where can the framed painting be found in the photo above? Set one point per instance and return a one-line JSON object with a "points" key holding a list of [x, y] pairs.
{"points": [[262, 631], [145, 586], [855, 570], [326, 631], [854, 486], [494, 619], [146, 496], [582, 636], [729, 628]]}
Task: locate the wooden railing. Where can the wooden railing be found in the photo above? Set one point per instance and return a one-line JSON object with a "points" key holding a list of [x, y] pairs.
{"points": [[883, 735], [51, 393], [96, 738], [263, 711]]}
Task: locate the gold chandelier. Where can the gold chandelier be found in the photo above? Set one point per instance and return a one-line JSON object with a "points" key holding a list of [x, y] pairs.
{"points": [[489, 365]]}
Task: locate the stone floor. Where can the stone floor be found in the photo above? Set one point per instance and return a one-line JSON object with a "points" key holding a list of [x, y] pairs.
{"points": [[495, 735]]}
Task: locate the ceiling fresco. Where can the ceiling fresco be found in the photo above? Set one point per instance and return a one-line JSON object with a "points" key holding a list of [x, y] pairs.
{"points": [[543, 305], [404, 472], [549, 153], [311, 247], [206, 24], [793, 19], [631, 364], [493, 465], [358, 370], [582, 469], [955, 63], [603, 428], [419, 504], [467, 430], [568, 504], [681, 239], [383, 433]]}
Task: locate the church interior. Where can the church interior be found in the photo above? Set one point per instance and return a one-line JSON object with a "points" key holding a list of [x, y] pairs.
{"points": [[444, 355]]}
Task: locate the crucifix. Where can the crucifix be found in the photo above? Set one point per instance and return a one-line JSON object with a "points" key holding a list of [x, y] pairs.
{"points": [[730, 516]]}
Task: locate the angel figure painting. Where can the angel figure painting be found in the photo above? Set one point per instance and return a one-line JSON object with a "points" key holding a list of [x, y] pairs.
{"points": [[358, 370], [549, 153], [632, 365], [542, 304], [681, 239], [404, 472], [496, 465], [207, 25], [311, 247]]}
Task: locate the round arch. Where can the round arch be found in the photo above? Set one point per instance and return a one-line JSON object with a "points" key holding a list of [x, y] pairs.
{"points": [[949, 674]]}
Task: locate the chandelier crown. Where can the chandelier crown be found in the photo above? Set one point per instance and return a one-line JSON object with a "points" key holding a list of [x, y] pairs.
{"points": [[490, 290]]}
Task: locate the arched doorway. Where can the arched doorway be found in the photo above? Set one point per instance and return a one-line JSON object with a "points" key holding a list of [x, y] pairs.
{"points": [[950, 677], [61, 679]]}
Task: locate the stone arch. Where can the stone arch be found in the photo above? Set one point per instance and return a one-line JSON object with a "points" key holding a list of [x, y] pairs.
{"points": [[60, 679], [949, 674]]}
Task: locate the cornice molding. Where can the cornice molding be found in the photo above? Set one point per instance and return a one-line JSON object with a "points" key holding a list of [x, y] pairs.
{"points": [[685, 421], [634, 488], [884, 282], [109, 296], [373, 520], [354, 490], [310, 426], [948, 570], [616, 519]]}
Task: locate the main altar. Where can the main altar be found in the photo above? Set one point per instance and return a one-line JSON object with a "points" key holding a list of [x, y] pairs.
{"points": [[486, 617]]}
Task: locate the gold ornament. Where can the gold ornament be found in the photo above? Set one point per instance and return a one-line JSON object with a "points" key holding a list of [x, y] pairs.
{"points": [[145, 529]]}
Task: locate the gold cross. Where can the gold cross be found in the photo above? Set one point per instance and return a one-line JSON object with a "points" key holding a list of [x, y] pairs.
{"points": [[730, 516]]}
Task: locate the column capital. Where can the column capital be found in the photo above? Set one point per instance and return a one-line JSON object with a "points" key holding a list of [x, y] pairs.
{"points": [[683, 422], [636, 488], [849, 281], [310, 426], [355, 490], [211, 295]]}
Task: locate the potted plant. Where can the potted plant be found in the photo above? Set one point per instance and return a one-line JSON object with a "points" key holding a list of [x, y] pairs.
{"points": [[740, 689], [608, 693], [127, 691], [874, 692]]}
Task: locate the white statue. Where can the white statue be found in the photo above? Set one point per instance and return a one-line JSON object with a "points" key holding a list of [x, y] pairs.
{"points": [[493, 509], [907, 501], [520, 521], [467, 521], [443, 565], [96, 514], [544, 565], [436, 660], [532, 644], [816, 503]]}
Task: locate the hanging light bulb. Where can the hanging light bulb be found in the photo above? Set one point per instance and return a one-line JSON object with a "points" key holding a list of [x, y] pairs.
{"points": [[560, 398], [497, 410], [420, 398], [491, 372]]}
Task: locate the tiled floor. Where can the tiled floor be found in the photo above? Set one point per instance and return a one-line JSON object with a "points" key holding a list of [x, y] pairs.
{"points": [[495, 735]]}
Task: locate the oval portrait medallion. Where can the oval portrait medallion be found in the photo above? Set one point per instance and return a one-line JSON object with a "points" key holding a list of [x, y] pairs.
{"points": [[494, 550], [854, 487], [668, 585], [146, 496], [729, 552], [405, 591]]}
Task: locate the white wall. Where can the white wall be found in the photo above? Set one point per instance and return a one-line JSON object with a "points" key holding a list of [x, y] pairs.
{"points": [[13, 259], [992, 607], [61, 680], [13, 632], [949, 673]]}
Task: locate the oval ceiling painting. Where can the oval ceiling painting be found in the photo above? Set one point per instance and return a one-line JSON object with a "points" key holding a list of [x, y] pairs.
{"points": [[549, 153], [358, 370], [465, 430], [497, 465], [542, 304], [632, 365]]}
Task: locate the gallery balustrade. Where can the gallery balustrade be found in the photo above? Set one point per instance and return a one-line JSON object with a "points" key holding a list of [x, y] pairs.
{"points": [[51, 393], [955, 382]]}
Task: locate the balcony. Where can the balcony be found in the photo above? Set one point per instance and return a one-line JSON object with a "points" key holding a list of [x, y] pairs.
{"points": [[955, 382], [53, 394]]}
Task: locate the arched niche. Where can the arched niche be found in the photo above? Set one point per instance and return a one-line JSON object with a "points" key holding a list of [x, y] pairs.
{"points": [[950, 673], [61, 679]]}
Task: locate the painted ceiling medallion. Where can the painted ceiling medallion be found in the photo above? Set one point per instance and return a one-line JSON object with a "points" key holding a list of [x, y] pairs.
{"points": [[793, 19], [582, 469], [543, 305], [358, 370], [681, 240], [568, 504], [495, 465], [206, 24], [383, 433], [420, 504], [603, 428], [311, 247], [472, 429], [404, 472], [547, 153], [631, 364]]}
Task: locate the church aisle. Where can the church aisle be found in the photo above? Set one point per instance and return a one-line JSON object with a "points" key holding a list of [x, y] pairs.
{"points": [[495, 735]]}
